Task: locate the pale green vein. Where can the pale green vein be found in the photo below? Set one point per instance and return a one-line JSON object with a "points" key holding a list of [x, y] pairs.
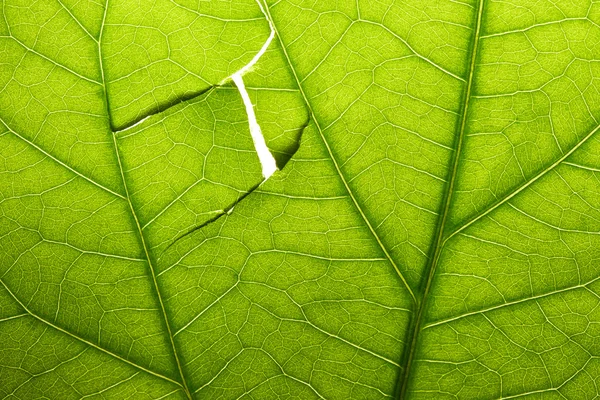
{"points": [[81, 175], [48, 371], [581, 166], [64, 67], [153, 274], [106, 389], [80, 250], [13, 317], [549, 225], [137, 223], [510, 303], [524, 186], [334, 160], [311, 324], [441, 226], [417, 54], [85, 341], [542, 24], [83, 28]]}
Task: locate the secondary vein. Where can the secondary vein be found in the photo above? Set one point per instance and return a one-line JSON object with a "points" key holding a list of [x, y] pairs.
{"points": [[61, 163], [87, 342], [335, 163], [152, 273], [137, 222], [524, 186]]}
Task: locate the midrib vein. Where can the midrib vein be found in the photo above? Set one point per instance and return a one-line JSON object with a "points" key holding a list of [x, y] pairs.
{"points": [[135, 218], [334, 160], [441, 225]]}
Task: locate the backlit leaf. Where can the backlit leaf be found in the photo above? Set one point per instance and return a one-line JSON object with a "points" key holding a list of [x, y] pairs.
{"points": [[433, 231]]}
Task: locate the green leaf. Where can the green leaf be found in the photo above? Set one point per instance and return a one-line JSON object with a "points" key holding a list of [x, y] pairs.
{"points": [[434, 231]]}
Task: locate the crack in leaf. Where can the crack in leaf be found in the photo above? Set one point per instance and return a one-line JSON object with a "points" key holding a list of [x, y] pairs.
{"points": [[266, 158], [267, 161]]}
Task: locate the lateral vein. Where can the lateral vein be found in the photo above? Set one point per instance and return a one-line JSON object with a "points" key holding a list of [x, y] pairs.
{"points": [[137, 222], [53, 158], [87, 342], [525, 185], [335, 163]]}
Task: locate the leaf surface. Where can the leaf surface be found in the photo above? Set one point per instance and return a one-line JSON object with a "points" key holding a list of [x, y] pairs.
{"points": [[432, 233]]}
